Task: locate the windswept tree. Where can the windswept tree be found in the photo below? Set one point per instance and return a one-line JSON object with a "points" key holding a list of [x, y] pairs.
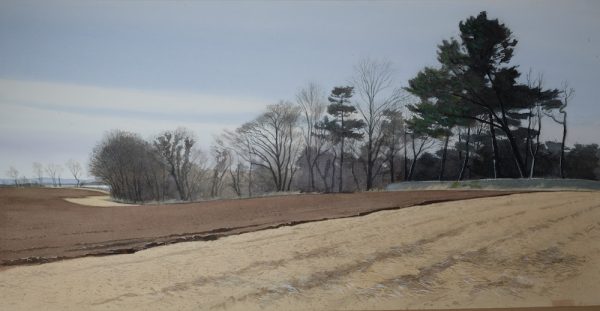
{"points": [[76, 170], [374, 85], [342, 126], [175, 149], [273, 142], [567, 94], [479, 83]]}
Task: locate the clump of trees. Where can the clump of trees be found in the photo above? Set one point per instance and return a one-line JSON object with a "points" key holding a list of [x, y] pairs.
{"points": [[137, 170], [473, 115]]}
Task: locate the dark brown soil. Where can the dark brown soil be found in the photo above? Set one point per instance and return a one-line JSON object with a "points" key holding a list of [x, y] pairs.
{"points": [[37, 225]]}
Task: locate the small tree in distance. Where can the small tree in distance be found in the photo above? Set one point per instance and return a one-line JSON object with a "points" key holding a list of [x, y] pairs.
{"points": [[54, 171], [75, 169], [38, 170], [13, 173]]}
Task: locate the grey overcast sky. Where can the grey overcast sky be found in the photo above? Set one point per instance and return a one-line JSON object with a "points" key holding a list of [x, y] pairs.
{"points": [[69, 71]]}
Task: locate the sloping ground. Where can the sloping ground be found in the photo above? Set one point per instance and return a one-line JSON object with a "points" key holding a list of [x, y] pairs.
{"points": [[39, 225], [501, 184], [537, 249]]}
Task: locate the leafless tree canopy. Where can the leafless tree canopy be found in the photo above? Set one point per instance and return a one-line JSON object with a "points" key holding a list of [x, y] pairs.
{"points": [[54, 171], [311, 100], [13, 173], [374, 85], [273, 142], [76, 170], [38, 170], [125, 162], [175, 149], [222, 164]]}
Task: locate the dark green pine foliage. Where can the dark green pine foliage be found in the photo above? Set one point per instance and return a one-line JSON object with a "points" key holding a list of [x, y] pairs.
{"points": [[342, 126], [438, 111], [476, 82]]}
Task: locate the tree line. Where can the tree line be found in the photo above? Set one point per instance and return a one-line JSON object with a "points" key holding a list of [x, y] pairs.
{"points": [[52, 171], [473, 115]]}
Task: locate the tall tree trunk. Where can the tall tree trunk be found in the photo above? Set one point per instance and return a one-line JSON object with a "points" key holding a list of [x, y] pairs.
{"points": [[356, 182], [537, 145], [414, 160], [495, 157], [250, 180], [405, 157], [505, 128], [333, 171], [460, 144], [516, 153], [369, 165], [340, 177], [323, 175], [528, 141], [466, 161], [562, 146], [311, 172], [443, 160], [392, 169]]}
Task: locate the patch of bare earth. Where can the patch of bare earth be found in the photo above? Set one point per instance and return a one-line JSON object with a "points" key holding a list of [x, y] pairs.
{"points": [[39, 225], [537, 249], [97, 200]]}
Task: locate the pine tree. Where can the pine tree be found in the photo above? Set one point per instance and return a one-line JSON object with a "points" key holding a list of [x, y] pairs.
{"points": [[342, 126]]}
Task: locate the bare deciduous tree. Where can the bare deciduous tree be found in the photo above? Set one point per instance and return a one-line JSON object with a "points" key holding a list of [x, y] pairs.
{"points": [[129, 165], [75, 169], [175, 148], [312, 106], [13, 173], [222, 164], [54, 171], [197, 174], [273, 142], [38, 170], [239, 143], [373, 82], [236, 177]]}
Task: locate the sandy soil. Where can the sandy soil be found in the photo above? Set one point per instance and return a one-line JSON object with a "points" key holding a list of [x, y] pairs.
{"points": [[97, 200], [38, 225], [537, 249]]}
